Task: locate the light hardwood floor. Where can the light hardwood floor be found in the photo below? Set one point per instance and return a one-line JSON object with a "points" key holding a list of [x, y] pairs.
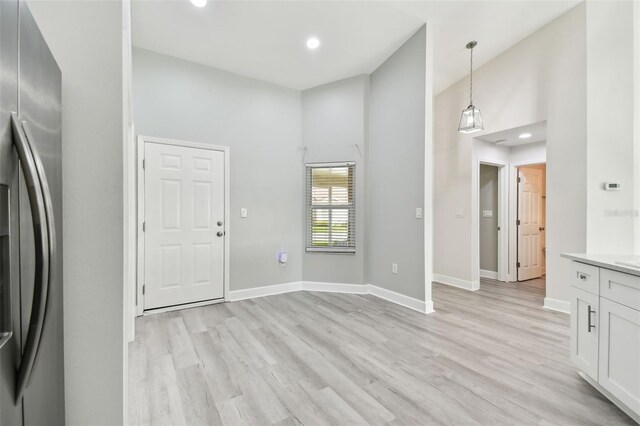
{"points": [[487, 357]]}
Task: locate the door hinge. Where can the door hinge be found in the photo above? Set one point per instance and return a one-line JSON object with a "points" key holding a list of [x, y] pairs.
{"points": [[144, 226], [519, 180], [517, 264], [144, 163], [518, 222], [143, 288]]}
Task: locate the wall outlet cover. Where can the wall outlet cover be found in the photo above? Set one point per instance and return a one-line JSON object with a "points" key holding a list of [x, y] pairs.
{"points": [[487, 213], [460, 213], [243, 212]]}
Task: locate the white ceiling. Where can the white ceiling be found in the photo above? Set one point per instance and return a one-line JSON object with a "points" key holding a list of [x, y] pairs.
{"points": [[511, 137], [266, 40]]}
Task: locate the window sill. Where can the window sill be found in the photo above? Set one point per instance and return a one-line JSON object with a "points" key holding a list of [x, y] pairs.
{"points": [[335, 250]]}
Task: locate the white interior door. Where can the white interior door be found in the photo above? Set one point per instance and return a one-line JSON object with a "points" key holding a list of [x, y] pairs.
{"points": [[184, 228], [530, 223]]}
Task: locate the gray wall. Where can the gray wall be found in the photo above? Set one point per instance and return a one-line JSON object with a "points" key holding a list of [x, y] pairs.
{"points": [[489, 225], [396, 172], [260, 122], [334, 120], [86, 40]]}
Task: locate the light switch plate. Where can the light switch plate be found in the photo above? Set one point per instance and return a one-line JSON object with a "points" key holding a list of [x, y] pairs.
{"points": [[487, 213], [418, 213], [394, 268], [243, 212]]}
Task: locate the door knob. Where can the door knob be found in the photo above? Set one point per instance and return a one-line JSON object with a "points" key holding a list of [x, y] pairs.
{"points": [[541, 228], [220, 234], [219, 223]]}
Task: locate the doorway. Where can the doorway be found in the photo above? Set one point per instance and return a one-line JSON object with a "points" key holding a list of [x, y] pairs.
{"points": [[183, 215], [489, 222], [530, 223]]}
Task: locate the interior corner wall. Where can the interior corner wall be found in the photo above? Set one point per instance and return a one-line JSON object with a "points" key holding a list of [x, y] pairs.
{"points": [[334, 129], [261, 124], [636, 121], [86, 40], [396, 171], [610, 122], [528, 83]]}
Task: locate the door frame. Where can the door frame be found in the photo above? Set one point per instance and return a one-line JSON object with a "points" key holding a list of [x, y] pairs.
{"points": [[513, 207], [142, 140], [503, 242]]}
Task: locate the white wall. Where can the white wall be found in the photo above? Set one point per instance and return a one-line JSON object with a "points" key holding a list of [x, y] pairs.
{"points": [[610, 121], [528, 83], [86, 40], [396, 171], [334, 121], [261, 124]]}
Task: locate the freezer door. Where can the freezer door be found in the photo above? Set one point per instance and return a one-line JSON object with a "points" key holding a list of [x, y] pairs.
{"points": [[10, 409], [39, 100]]}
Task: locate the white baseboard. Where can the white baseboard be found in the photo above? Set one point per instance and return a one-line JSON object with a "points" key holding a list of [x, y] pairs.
{"points": [[557, 305], [334, 287], [400, 299], [269, 290], [391, 296], [488, 274], [457, 282]]}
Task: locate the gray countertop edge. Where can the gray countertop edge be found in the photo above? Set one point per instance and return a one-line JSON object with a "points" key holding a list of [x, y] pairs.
{"points": [[607, 261]]}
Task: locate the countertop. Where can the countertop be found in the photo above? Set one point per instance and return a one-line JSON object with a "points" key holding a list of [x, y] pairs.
{"points": [[607, 261]]}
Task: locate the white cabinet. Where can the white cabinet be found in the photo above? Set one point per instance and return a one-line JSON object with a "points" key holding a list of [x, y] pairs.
{"points": [[584, 331], [619, 371], [605, 332]]}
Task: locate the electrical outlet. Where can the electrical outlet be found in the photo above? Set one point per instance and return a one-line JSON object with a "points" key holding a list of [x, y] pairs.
{"points": [[460, 213], [394, 268], [243, 212], [487, 213]]}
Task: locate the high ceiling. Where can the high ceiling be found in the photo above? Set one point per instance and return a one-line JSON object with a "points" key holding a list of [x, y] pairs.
{"points": [[266, 40]]}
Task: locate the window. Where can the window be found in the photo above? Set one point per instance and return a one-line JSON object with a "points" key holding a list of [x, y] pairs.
{"points": [[331, 207]]}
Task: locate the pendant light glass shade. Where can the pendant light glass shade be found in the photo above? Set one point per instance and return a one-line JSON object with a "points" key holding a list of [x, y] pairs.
{"points": [[471, 120]]}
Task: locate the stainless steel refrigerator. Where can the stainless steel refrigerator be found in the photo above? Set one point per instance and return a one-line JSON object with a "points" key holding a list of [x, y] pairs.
{"points": [[31, 323]]}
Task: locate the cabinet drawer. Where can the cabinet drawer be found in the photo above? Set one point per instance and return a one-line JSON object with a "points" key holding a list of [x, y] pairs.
{"points": [[621, 288], [585, 277]]}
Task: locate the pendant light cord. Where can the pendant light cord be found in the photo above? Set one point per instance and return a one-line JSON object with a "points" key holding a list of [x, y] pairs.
{"points": [[471, 80]]}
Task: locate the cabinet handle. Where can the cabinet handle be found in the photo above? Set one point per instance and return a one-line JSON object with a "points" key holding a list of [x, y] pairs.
{"points": [[582, 276], [589, 312]]}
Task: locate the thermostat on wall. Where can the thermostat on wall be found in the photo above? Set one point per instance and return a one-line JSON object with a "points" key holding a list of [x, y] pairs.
{"points": [[611, 186]]}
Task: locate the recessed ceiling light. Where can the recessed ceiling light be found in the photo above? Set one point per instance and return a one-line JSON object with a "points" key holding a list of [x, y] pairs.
{"points": [[313, 43], [199, 3], [525, 135]]}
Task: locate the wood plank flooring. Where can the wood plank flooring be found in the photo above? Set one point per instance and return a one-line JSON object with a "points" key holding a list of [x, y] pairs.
{"points": [[490, 357]]}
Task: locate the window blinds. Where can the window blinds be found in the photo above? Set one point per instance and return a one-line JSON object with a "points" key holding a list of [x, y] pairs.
{"points": [[331, 207]]}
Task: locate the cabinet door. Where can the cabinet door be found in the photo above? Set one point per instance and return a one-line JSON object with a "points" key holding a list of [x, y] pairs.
{"points": [[620, 352], [584, 331]]}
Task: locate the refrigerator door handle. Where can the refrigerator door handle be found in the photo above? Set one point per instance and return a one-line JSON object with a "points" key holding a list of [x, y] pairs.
{"points": [[41, 213]]}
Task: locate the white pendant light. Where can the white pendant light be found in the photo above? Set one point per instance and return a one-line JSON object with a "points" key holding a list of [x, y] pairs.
{"points": [[471, 120]]}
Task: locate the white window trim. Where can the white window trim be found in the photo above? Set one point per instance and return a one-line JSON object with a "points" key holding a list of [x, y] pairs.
{"points": [[308, 208]]}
